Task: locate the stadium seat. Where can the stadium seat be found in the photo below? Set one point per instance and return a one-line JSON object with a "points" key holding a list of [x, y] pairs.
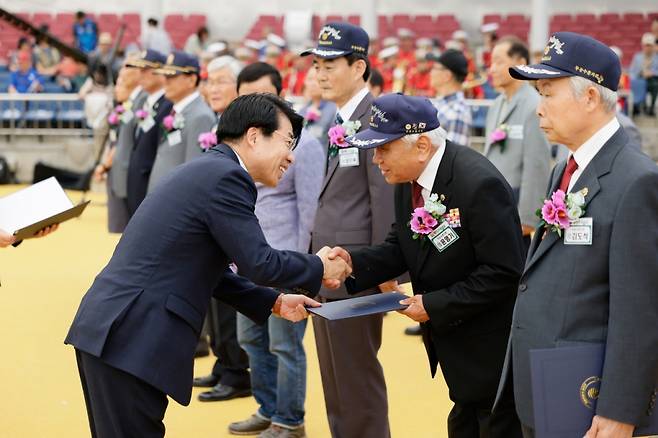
{"points": [[354, 19], [384, 26], [334, 18], [71, 112], [492, 18], [401, 21], [41, 18], [586, 19], [610, 18]]}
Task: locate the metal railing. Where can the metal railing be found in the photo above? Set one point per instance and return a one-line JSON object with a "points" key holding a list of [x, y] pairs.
{"points": [[42, 114]]}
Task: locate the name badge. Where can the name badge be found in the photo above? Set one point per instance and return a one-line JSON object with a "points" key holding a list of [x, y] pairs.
{"points": [[443, 236], [348, 157], [147, 124], [173, 138], [113, 136], [579, 232], [516, 132], [127, 116]]}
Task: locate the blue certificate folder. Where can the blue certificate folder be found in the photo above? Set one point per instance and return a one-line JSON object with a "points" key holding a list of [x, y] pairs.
{"points": [[361, 306], [565, 385]]}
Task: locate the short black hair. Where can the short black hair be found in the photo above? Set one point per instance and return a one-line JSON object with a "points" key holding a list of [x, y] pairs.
{"points": [[257, 70], [202, 30], [353, 57], [258, 110], [517, 48], [376, 78], [79, 15], [152, 22]]}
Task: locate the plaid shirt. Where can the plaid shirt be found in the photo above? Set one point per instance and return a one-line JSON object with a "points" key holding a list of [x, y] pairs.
{"points": [[455, 117]]}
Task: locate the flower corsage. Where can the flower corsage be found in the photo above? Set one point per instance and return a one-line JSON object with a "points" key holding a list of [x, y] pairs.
{"points": [[425, 219], [498, 136], [337, 134], [560, 211], [207, 140], [173, 123]]}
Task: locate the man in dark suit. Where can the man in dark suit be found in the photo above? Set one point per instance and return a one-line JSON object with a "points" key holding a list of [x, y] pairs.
{"points": [[148, 133], [355, 209], [597, 285], [462, 248], [138, 325]]}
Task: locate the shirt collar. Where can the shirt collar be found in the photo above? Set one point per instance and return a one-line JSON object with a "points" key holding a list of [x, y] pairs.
{"points": [[588, 150], [347, 110], [134, 93], [154, 97], [428, 175], [180, 106]]}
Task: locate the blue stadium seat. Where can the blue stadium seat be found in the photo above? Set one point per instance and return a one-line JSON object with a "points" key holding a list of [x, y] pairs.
{"points": [[639, 90], [71, 112], [479, 114], [41, 111], [52, 87], [11, 111]]}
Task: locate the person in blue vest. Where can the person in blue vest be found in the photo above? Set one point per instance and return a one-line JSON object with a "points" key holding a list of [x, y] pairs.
{"points": [[85, 32]]}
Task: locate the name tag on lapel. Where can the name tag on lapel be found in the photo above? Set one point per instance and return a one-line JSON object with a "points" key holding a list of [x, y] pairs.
{"points": [[443, 236], [113, 136], [579, 232], [516, 132], [147, 124], [174, 138], [348, 157]]}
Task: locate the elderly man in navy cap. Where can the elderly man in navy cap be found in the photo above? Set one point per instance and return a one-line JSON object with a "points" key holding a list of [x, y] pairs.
{"points": [[189, 118], [457, 232], [355, 209], [590, 276]]}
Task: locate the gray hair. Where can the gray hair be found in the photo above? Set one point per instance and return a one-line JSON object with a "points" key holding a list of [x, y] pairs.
{"points": [[608, 97], [437, 137], [226, 61]]}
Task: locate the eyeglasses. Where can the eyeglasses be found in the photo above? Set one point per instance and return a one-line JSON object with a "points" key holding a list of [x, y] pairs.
{"points": [[291, 142]]}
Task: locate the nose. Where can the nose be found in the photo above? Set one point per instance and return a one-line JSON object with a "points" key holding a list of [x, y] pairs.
{"points": [[540, 108], [377, 157], [290, 157]]}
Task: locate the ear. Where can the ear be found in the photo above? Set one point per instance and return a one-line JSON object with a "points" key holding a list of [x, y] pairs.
{"points": [[424, 147], [593, 98], [359, 68], [251, 135]]}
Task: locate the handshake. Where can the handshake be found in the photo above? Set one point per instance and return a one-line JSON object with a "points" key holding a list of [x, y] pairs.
{"points": [[337, 266]]}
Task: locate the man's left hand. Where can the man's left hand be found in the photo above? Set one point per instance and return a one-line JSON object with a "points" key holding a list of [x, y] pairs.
{"points": [[416, 310], [293, 307], [606, 428]]}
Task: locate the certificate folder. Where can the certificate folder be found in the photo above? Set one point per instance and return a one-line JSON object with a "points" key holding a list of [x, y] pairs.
{"points": [[565, 388], [31, 230], [361, 306]]}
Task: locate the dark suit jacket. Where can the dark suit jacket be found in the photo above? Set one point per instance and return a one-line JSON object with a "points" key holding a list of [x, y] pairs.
{"points": [[143, 155], [599, 293], [468, 289], [144, 312], [355, 208]]}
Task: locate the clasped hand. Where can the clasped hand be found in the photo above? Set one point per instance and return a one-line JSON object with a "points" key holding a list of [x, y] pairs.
{"points": [[337, 266]]}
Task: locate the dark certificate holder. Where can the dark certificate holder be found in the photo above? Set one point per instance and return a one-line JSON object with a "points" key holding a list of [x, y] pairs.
{"points": [[361, 306], [565, 388], [31, 230]]}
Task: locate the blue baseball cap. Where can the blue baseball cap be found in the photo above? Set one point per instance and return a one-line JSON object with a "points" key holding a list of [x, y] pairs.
{"points": [[571, 54], [393, 116], [179, 63], [340, 39], [148, 59]]}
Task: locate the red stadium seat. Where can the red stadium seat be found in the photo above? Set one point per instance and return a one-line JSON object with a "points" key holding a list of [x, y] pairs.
{"points": [[334, 18], [173, 22], [133, 24], [196, 20], [610, 18], [401, 21], [41, 18], [354, 19], [316, 25], [492, 18], [108, 23], [586, 19], [517, 18], [633, 18], [384, 26], [562, 18]]}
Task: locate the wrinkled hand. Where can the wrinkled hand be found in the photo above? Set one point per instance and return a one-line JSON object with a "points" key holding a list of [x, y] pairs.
{"points": [[45, 231], [389, 286], [606, 428], [336, 269], [6, 239], [100, 173], [416, 310], [292, 307]]}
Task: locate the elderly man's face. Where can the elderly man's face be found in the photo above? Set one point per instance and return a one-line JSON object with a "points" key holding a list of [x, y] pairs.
{"points": [[179, 86], [221, 89], [500, 64], [400, 162], [561, 113]]}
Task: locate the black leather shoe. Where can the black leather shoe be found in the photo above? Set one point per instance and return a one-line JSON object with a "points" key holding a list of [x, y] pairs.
{"points": [[413, 331], [202, 350], [206, 381], [221, 392]]}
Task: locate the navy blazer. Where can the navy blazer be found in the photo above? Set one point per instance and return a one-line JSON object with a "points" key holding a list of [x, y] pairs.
{"points": [[143, 155], [144, 311]]}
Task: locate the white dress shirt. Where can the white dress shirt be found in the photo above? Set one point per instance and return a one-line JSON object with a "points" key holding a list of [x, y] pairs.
{"points": [[428, 175], [153, 98], [347, 110], [180, 106], [588, 150]]}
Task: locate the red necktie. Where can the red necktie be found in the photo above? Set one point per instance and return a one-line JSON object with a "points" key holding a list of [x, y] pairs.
{"points": [[568, 173], [416, 195]]}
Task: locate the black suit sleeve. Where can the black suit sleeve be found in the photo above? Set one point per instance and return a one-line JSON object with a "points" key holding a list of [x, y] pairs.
{"points": [[253, 301], [493, 224], [231, 219]]}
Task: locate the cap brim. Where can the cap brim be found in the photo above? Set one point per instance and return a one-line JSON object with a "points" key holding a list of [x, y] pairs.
{"points": [[140, 63], [167, 72], [370, 138], [325, 53], [537, 71]]}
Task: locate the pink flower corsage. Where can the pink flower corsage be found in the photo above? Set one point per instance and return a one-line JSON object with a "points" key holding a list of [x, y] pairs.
{"points": [[498, 136], [312, 115], [337, 134], [207, 140], [558, 212], [425, 219]]}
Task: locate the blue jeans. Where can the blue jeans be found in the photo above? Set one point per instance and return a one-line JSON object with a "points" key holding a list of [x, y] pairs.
{"points": [[278, 367]]}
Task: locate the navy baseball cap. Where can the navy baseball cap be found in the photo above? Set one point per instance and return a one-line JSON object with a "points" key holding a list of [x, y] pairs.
{"points": [[180, 63], [148, 59], [572, 54], [340, 39], [393, 116]]}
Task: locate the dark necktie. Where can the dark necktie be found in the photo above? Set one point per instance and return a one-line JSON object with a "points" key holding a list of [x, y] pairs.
{"points": [[572, 166], [416, 195]]}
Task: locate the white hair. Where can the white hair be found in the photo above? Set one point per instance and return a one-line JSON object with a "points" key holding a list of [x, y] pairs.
{"points": [[226, 61], [437, 137], [608, 97]]}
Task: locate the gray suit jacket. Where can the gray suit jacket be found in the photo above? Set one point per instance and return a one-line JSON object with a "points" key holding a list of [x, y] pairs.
{"points": [[124, 148], [355, 208], [198, 118], [600, 293], [525, 160]]}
